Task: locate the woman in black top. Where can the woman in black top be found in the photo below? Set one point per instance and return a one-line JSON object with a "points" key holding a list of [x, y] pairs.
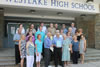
{"points": [[78, 33]]}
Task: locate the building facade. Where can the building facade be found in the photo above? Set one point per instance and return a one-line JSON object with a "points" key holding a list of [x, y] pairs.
{"points": [[84, 14]]}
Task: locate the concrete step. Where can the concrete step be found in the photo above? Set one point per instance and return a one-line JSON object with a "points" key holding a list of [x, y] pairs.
{"points": [[7, 57], [91, 60], [92, 51], [97, 52], [7, 63], [7, 60], [92, 55], [10, 66]]}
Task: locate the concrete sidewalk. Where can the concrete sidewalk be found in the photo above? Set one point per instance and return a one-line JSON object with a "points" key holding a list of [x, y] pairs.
{"points": [[90, 64]]}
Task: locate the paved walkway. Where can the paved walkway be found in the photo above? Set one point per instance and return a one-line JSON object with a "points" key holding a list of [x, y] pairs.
{"points": [[90, 64]]}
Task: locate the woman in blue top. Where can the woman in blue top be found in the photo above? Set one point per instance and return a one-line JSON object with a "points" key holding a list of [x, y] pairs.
{"points": [[30, 52], [38, 45], [75, 50]]}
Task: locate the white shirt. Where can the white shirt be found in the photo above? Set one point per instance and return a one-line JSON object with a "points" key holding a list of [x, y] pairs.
{"points": [[59, 36], [44, 29], [22, 32]]}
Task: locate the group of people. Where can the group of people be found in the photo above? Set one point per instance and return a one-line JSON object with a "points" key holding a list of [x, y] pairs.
{"points": [[65, 45]]}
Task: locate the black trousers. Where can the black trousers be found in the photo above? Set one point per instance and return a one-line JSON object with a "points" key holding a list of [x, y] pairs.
{"points": [[75, 57], [47, 56], [58, 56], [17, 54], [43, 51]]}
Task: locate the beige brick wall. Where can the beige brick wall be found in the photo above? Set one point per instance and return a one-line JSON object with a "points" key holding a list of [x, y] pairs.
{"points": [[97, 32], [87, 24]]}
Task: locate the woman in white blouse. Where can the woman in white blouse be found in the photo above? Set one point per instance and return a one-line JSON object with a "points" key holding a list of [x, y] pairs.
{"points": [[21, 28]]}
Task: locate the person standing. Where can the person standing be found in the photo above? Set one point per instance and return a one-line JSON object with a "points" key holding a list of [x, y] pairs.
{"points": [[80, 32], [56, 26], [22, 49], [31, 28], [38, 45], [73, 28], [75, 50], [42, 37], [41, 33], [47, 45], [21, 28], [57, 41], [69, 36], [44, 29], [70, 30], [64, 28], [16, 39], [32, 35], [66, 50], [82, 48], [61, 33], [51, 29], [30, 52]]}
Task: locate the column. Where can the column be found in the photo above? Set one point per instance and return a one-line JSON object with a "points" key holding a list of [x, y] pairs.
{"points": [[97, 32], [1, 27]]}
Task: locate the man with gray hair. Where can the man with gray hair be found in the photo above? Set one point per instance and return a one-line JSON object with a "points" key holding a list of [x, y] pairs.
{"points": [[16, 39], [47, 45], [64, 29], [73, 28], [57, 42], [52, 29]]}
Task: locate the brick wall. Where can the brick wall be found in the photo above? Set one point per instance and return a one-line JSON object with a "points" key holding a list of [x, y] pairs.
{"points": [[87, 24]]}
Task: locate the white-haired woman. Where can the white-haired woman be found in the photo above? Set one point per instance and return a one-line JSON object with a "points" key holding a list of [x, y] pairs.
{"points": [[70, 30], [66, 50]]}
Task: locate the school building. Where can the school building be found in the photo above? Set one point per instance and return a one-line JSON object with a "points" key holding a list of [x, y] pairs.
{"points": [[84, 13]]}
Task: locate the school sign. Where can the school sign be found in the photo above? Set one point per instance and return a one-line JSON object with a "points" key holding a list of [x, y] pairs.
{"points": [[54, 4]]}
